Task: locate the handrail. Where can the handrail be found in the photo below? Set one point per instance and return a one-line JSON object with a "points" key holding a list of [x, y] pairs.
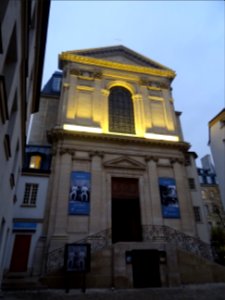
{"points": [[98, 241], [153, 233]]}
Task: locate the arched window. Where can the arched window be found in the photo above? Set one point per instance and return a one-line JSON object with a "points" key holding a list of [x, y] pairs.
{"points": [[121, 112]]}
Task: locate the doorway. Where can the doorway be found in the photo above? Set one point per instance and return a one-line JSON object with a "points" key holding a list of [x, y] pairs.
{"points": [[20, 253], [146, 268], [126, 218]]}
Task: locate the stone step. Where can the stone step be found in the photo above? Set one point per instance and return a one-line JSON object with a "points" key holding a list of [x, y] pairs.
{"points": [[24, 283], [192, 292]]}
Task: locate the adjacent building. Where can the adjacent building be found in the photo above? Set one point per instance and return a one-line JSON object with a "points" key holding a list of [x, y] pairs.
{"points": [[211, 194], [217, 146], [22, 46]]}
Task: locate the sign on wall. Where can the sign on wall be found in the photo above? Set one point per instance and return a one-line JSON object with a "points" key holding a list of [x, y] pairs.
{"points": [[169, 200], [79, 195]]}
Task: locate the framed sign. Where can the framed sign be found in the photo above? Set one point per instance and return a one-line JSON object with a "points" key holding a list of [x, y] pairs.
{"points": [[169, 200], [77, 258], [79, 194]]}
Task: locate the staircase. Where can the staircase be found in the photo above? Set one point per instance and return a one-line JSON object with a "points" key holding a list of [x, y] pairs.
{"points": [[190, 253]]}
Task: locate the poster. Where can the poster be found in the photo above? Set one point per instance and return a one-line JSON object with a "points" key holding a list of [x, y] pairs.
{"points": [[169, 200], [77, 258], [79, 194]]}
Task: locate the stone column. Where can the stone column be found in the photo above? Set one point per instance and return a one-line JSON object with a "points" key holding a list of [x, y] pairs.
{"points": [[184, 198], [50, 210], [139, 115], [59, 237], [96, 211], [156, 210]]}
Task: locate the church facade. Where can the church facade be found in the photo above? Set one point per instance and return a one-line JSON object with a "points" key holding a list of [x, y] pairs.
{"points": [[121, 171]]}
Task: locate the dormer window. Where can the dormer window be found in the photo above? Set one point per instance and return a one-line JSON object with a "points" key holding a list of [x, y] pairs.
{"points": [[56, 84], [35, 162]]}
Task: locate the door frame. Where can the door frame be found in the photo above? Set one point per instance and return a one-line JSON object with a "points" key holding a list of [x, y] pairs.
{"points": [[136, 197]]}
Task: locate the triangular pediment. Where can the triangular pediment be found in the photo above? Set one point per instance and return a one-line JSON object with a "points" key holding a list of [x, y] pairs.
{"points": [[124, 163], [120, 54]]}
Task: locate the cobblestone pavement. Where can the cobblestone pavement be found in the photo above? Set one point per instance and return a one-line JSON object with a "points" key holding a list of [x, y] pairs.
{"points": [[192, 292]]}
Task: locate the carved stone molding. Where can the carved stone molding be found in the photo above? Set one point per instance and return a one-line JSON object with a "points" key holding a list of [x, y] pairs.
{"points": [[177, 160], [63, 151], [75, 72], [86, 74], [58, 134], [124, 162], [105, 92], [96, 153], [66, 85], [137, 97], [151, 157]]}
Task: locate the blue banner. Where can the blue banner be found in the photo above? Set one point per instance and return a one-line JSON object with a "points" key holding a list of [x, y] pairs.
{"points": [[79, 195], [169, 200]]}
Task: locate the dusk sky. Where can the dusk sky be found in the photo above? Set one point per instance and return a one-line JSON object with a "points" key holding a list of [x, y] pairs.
{"points": [[186, 36]]}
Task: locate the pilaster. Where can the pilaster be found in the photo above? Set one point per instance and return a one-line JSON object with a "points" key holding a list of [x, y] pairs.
{"points": [[184, 198], [105, 111], [154, 191], [139, 114], [146, 108], [96, 211], [61, 215], [71, 104], [169, 117]]}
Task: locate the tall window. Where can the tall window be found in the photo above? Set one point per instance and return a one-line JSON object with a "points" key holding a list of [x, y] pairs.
{"points": [[197, 214], [191, 182], [30, 194], [121, 112]]}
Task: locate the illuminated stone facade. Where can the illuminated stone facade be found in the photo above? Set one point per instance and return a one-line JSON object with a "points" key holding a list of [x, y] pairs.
{"points": [[116, 123]]}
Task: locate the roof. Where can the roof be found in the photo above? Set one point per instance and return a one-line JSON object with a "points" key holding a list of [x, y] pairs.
{"points": [[118, 56], [219, 117], [53, 86]]}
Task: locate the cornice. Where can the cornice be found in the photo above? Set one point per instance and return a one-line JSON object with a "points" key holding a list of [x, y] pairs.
{"points": [[56, 135], [64, 56]]}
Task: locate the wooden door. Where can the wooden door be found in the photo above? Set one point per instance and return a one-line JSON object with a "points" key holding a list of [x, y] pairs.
{"points": [[20, 253], [146, 271], [126, 219]]}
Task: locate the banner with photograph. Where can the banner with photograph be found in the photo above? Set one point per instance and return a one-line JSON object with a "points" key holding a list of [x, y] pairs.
{"points": [[79, 195], [169, 200], [77, 257]]}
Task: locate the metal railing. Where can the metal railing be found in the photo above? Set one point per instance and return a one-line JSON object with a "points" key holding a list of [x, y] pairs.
{"points": [[98, 241], [157, 233], [153, 233]]}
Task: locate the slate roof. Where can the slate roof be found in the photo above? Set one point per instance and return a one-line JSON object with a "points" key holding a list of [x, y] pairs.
{"points": [[53, 86]]}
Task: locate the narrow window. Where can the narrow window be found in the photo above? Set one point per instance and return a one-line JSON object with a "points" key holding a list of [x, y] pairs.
{"points": [[12, 118], [7, 147], [30, 194], [191, 183], [3, 100], [121, 113], [197, 214], [10, 61], [56, 84]]}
